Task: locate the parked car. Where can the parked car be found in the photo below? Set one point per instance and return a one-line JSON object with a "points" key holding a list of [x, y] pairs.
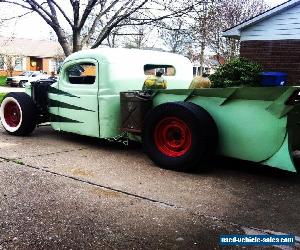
{"points": [[26, 76]]}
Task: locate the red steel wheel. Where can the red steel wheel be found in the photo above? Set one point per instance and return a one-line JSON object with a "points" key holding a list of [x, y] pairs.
{"points": [[173, 137], [12, 114], [179, 136]]}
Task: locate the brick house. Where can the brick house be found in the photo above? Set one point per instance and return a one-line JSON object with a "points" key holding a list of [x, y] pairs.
{"points": [[20, 54], [273, 39]]}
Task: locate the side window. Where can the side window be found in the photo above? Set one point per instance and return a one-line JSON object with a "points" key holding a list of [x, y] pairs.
{"points": [[83, 73], [152, 69]]}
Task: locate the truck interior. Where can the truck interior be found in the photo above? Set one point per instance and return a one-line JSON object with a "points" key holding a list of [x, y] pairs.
{"points": [[83, 73]]}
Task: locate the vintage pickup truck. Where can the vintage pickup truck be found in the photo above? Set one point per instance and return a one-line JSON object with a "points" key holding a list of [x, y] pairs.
{"points": [[99, 94]]}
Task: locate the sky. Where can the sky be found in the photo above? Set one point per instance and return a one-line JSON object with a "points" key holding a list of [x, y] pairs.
{"points": [[273, 3], [33, 27]]}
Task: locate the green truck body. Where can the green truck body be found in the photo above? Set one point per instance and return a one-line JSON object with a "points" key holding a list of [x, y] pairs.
{"points": [[99, 103], [254, 124]]}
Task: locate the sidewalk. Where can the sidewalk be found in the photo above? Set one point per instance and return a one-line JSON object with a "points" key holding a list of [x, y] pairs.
{"points": [[11, 89]]}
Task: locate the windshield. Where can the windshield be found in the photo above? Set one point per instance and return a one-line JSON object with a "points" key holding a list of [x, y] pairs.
{"points": [[26, 73]]}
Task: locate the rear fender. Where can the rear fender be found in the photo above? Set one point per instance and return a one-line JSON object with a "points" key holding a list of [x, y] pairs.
{"points": [[254, 124]]}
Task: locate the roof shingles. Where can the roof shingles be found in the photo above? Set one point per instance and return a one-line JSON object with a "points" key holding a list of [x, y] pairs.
{"points": [[29, 47]]}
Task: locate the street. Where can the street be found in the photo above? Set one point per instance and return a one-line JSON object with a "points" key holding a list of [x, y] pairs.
{"points": [[67, 191]]}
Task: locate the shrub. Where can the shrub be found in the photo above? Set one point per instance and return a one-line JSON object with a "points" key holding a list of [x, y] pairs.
{"points": [[1, 96], [237, 72]]}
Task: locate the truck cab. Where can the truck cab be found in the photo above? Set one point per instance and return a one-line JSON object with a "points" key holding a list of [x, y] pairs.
{"points": [[86, 99]]}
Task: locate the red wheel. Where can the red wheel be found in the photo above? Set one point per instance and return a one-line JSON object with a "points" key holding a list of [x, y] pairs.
{"points": [[12, 114], [179, 136], [18, 114], [173, 137]]}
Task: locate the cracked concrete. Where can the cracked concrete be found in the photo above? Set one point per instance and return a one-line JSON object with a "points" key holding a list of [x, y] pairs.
{"points": [[42, 169]]}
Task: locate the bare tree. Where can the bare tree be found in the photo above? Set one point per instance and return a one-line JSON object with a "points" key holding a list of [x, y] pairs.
{"points": [[113, 38], [90, 22], [203, 17], [212, 17], [176, 35], [227, 14], [8, 62], [139, 37]]}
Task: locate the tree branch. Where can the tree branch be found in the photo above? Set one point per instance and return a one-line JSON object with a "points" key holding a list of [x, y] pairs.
{"points": [[15, 17], [112, 24], [39, 6], [63, 13], [18, 4], [91, 4], [96, 20], [76, 7]]}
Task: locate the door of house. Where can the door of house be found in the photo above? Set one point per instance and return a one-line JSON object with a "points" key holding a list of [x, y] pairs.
{"points": [[36, 64]]}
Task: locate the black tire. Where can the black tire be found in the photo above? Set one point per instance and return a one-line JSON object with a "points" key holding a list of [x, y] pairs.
{"points": [[190, 147], [18, 114]]}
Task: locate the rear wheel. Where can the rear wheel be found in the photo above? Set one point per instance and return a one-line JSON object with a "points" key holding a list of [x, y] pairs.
{"points": [[179, 136], [18, 114]]}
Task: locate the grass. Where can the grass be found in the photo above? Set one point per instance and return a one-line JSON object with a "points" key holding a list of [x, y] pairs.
{"points": [[1, 96], [2, 80], [18, 162]]}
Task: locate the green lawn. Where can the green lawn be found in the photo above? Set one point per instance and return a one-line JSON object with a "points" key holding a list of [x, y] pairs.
{"points": [[1, 96], [2, 80]]}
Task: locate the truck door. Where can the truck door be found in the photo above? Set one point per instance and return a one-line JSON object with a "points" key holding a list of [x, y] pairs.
{"points": [[78, 98]]}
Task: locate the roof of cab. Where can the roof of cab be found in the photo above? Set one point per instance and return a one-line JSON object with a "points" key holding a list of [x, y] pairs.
{"points": [[113, 55]]}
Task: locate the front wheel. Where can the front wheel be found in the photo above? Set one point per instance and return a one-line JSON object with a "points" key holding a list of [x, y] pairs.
{"points": [[179, 136], [18, 114]]}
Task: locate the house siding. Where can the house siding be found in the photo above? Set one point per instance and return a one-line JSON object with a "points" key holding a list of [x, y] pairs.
{"points": [[27, 63], [282, 55], [26, 66], [283, 26], [24, 63], [46, 65], [5, 73]]}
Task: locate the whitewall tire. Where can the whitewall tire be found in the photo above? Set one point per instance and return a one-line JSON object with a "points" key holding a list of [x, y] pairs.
{"points": [[18, 114]]}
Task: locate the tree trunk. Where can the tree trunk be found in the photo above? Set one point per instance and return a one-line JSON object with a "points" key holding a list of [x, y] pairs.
{"points": [[202, 58], [63, 41], [76, 40]]}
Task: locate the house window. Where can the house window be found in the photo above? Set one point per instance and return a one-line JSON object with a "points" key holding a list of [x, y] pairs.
{"points": [[195, 71], [84, 73], [1, 62], [19, 64], [167, 70]]}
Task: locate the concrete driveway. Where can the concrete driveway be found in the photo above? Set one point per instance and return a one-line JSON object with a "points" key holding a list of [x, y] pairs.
{"points": [[67, 191]]}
